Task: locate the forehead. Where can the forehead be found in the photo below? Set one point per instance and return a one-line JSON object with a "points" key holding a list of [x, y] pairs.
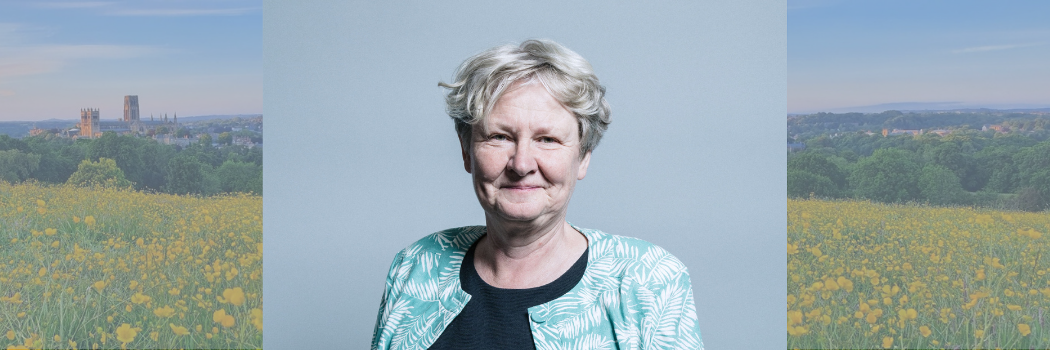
{"points": [[529, 105]]}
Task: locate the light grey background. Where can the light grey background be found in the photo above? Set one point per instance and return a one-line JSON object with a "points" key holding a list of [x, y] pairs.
{"points": [[361, 159]]}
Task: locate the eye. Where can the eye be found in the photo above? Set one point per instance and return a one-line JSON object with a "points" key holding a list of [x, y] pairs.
{"points": [[498, 137], [548, 139]]}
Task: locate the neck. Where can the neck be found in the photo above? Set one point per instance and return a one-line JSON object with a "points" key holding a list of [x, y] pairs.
{"points": [[514, 255], [518, 239]]}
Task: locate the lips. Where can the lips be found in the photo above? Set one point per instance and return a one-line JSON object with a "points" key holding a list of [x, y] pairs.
{"points": [[521, 187]]}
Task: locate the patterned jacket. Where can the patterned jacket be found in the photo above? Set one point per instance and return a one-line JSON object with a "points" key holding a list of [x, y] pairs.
{"points": [[633, 295]]}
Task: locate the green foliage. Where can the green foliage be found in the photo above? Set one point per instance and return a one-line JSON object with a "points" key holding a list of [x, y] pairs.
{"points": [[818, 164], [104, 173], [182, 132], [185, 176], [240, 177], [889, 175], [992, 168], [16, 166], [144, 163], [205, 140], [940, 186], [8, 143], [1031, 199], [225, 138], [1033, 168], [804, 184]]}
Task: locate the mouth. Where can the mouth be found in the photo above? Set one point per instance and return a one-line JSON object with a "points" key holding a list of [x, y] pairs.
{"points": [[520, 188]]}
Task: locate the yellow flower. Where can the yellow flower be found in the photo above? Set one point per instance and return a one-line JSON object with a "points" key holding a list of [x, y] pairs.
{"points": [[10, 335], [1024, 329], [76, 219], [50, 231], [221, 313], [925, 331], [14, 299], [138, 298], [227, 321], [41, 203], [794, 317], [154, 335], [133, 284], [89, 220], [58, 338], [165, 311], [1013, 307], [257, 318], [21, 314], [887, 342], [99, 285], [800, 330], [179, 330], [234, 296], [126, 334], [174, 291], [978, 333]]}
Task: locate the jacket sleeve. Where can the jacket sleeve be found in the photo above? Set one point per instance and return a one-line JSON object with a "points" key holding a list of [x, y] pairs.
{"points": [[668, 313], [380, 336]]}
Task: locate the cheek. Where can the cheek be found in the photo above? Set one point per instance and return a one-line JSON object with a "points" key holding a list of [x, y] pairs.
{"points": [[489, 163], [559, 169]]}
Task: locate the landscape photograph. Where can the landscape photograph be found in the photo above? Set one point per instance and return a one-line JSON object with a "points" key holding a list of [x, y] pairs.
{"points": [[131, 155], [918, 175]]}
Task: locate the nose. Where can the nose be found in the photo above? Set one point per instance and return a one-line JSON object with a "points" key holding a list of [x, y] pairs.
{"points": [[522, 161]]}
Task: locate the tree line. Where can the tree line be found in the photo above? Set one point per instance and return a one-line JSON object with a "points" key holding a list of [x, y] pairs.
{"points": [[1035, 125], [966, 167], [128, 161]]}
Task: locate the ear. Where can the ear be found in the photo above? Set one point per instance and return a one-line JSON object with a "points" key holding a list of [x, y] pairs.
{"points": [[584, 163], [463, 144]]}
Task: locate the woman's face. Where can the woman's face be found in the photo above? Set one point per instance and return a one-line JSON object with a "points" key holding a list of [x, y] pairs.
{"points": [[524, 156]]}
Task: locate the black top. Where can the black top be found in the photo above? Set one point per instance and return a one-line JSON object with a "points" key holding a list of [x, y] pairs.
{"points": [[497, 318]]}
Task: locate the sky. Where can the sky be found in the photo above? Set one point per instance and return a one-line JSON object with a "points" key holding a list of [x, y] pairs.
{"points": [[877, 55], [191, 57]]}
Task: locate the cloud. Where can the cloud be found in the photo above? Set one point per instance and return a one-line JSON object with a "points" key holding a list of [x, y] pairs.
{"points": [[994, 48], [183, 12], [73, 4], [39, 59]]}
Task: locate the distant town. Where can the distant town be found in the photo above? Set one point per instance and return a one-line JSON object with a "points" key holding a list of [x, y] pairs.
{"points": [[240, 130], [1032, 123]]}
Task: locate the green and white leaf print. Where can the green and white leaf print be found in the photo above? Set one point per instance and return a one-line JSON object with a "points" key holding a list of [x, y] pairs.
{"points": [[633, 295]]}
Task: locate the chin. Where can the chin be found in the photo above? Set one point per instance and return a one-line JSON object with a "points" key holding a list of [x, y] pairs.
{"points": [[519, 212]]}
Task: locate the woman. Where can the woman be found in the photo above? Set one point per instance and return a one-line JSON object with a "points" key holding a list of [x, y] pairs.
{"points": [[528, 118]]}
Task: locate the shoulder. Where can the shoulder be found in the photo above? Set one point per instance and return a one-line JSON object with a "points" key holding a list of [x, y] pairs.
{"points": [[633, 258], [441, 251], [448, 241]]}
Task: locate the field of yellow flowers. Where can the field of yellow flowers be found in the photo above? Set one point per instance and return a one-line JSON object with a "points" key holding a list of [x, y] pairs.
{"points": [[107, 269], [864, 275]]}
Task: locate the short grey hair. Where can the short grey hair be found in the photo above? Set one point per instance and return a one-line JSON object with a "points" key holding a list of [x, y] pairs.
{"points": [[483, 78]]}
